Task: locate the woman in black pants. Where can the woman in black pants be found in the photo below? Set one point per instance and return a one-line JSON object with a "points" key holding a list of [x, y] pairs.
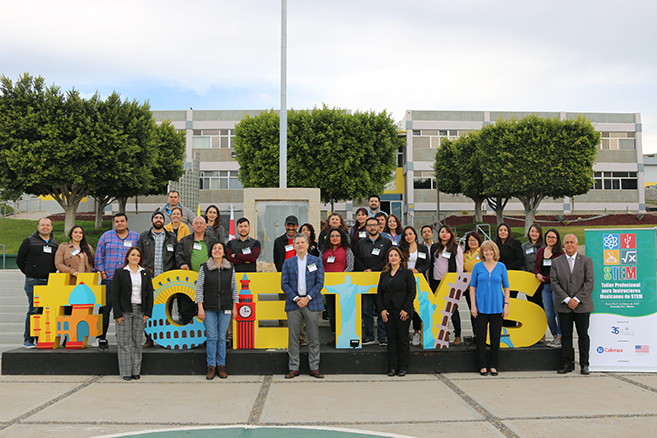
{"points": [[395, 296]]}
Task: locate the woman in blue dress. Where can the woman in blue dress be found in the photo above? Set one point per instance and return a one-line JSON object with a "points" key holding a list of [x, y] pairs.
{"points": [[489, 294]]}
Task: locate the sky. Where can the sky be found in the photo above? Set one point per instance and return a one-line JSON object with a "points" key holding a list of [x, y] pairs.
{"points": [[573, 56]]}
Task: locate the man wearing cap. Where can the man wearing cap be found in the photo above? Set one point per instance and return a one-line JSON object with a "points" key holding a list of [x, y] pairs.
{"points": [[112, 247], [158, 246], [284, 245]]}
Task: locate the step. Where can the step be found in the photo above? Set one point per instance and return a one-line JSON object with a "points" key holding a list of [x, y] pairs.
{"points": [[15, 338], [13, 300], [12, 317]]}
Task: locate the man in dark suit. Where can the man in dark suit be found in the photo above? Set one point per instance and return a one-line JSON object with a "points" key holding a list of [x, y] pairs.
{"points": [[572, 280], [302, 281]]}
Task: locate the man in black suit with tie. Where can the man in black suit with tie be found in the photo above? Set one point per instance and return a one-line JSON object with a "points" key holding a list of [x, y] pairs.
{"points": [[572, 280]]}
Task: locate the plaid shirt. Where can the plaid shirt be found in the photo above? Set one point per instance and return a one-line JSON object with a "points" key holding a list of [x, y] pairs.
{"points": [[158, 267], [111, 251]]}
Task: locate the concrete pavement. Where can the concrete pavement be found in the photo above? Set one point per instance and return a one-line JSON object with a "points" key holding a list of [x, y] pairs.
{"points": [[518, 404]]}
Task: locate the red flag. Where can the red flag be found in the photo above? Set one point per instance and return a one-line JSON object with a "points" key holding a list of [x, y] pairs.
{"points": [[231, 228]]}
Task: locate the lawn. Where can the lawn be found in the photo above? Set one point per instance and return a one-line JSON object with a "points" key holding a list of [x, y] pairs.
{"points": [[14, 231]]}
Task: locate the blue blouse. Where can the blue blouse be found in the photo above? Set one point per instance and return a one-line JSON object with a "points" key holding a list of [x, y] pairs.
{"points": [[489, 295]]}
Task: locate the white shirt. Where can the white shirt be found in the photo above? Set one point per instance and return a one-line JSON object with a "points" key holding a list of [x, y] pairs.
{"points": [[412, 260], [301, 266], [135, 278]]}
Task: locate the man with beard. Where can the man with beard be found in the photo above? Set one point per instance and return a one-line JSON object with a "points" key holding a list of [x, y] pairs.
{"points": [[158, 246]]}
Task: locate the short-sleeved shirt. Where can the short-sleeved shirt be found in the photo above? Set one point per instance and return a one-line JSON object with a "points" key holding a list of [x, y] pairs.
{"points": [[199, 256]]}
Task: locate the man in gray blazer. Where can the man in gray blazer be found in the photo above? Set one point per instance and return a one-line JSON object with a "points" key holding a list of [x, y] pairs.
{"points": [[572, 280]]}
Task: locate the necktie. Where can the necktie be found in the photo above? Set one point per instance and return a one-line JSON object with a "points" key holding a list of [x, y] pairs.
{"points": [[571, 262]]}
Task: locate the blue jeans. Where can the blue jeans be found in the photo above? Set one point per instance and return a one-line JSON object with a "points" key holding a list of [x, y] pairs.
{"points": [[548, 305], [107, 308], [369, 312], [31, 310], [216, 326]]}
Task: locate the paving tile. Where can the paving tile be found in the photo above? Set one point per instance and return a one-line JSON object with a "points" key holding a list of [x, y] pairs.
{"points": [[648, 380], [477, 429], [355, 377], [51, 379], [585, 428], [185, 379], [569, 396], [206, 402], [364, 402], [73, 430], [17, 398]]}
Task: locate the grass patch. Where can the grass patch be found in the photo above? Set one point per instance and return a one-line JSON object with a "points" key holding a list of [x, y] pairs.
{"points": [[14, 231]]}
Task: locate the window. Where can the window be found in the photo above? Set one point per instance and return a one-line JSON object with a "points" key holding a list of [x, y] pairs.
{"points": [[220, 180], [617, 141], [424, 181], [615, 181], [213, 138], [431, 138]]}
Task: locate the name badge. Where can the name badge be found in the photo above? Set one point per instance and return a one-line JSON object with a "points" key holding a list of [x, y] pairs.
{"points": [[47, 250], [395, 243], [246, 251], [312, 267], [376, 251], [362, 234], [127, 243], [75, 252], [530, 250], [547, 262], [198, 246], [477, 257], [170, 248], [227, 312], [421, 255], [331, 259], [289, 248], [447, 254]]}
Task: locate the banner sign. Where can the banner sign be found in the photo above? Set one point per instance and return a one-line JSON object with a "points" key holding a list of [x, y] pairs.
{"points": [[623, 326]]}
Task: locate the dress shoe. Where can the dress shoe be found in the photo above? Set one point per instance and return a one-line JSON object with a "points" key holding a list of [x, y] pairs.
{"points": [[392, 373], [565, 370], [401, 373], [136, 377], [221, 371], [211, 372], [493, 373], [585, 370], [148, 343], [292, 374], [483, 372], [302, 342], [457, 340], [316, 374], [127, 378]]}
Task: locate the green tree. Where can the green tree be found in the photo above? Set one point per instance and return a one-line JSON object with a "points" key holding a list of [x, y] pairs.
{"points": [[46, 142], [533, 158], [346, 156]]}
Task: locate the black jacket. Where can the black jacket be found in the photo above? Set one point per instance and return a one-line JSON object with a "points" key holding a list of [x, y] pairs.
{"points": [[396, 292], [147, 245], [511, 254], [279, 252], [185, 247], [33, 261], [364, 259], [122, 293]]}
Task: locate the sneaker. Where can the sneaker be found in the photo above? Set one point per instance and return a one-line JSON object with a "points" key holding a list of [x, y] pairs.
{"points": [[383, 342], [416, 339], [29, 344], [95, 343], [368, 341], [555, 343]]}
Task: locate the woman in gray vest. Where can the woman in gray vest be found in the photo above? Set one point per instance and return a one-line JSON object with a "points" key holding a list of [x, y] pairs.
{"points": [[216, 297]]}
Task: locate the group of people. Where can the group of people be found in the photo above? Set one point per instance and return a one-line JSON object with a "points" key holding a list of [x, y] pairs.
{"points": [[377, 242]]}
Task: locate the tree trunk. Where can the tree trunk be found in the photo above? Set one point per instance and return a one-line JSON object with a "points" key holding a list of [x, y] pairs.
{"points": [[497, 204], [71, 211], [100, 209], [531, 204], [122, 203], [478, 214], [69, 199]]}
